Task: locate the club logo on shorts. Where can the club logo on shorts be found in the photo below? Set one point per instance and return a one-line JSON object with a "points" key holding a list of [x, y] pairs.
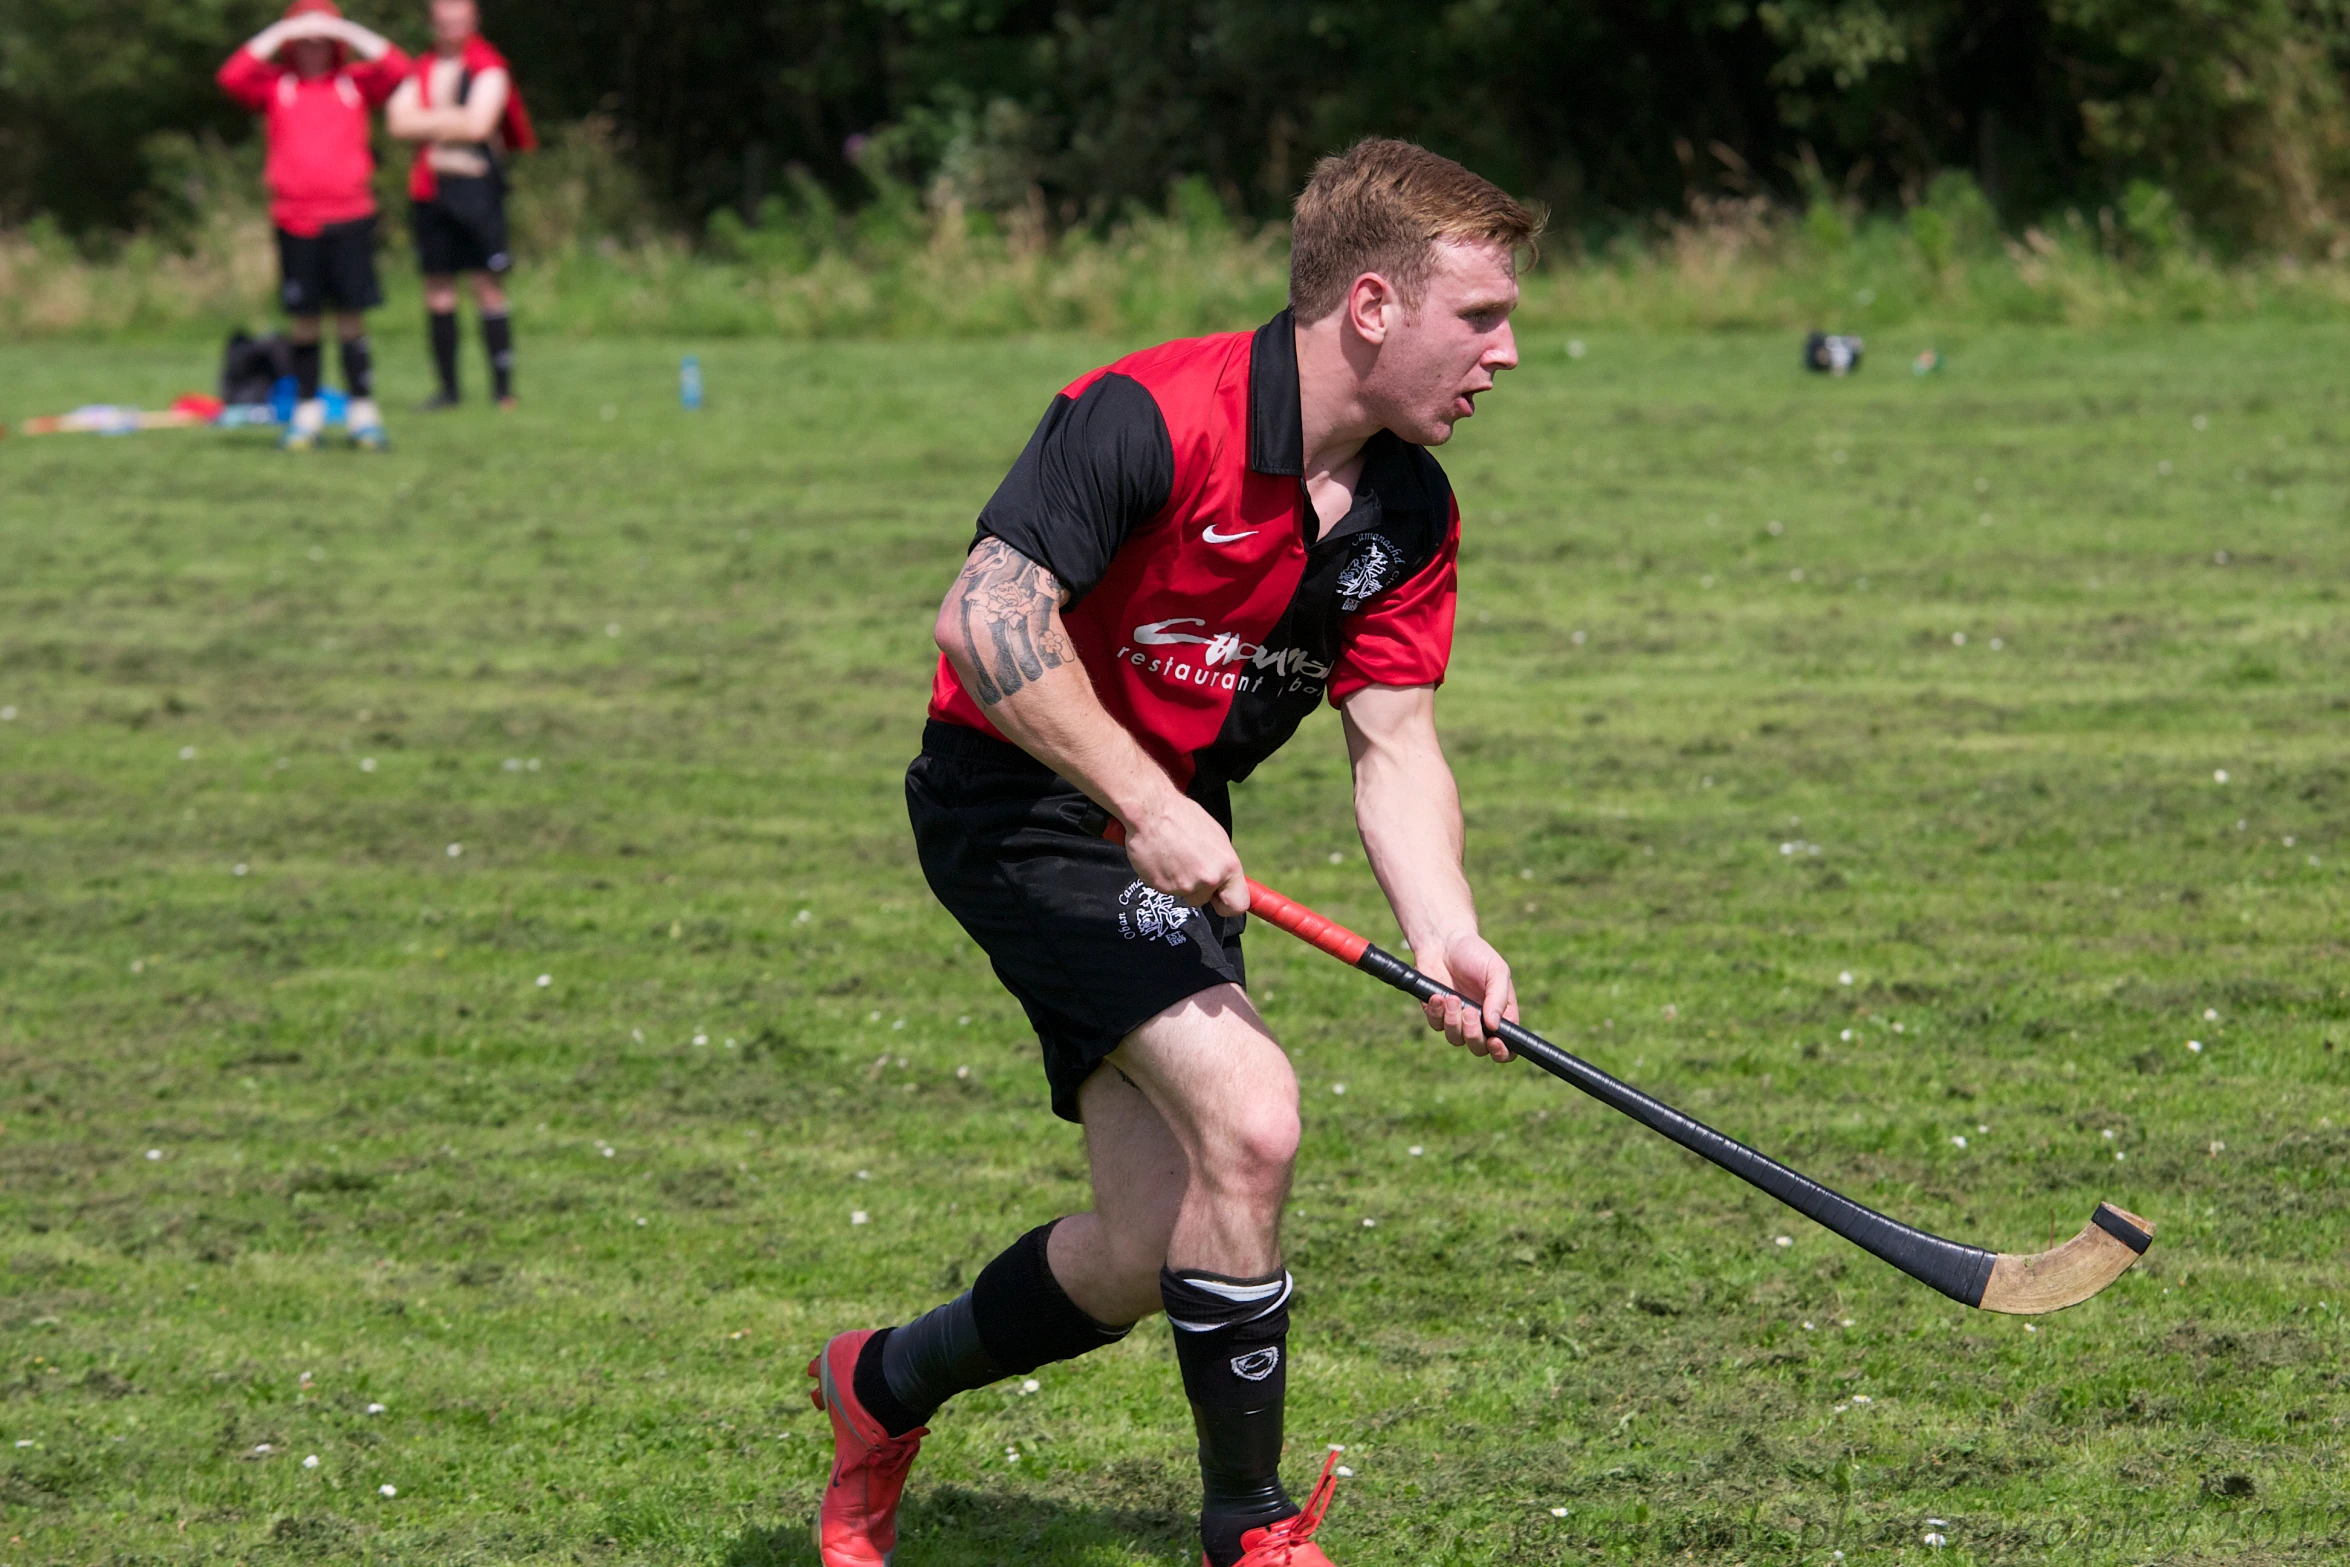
{"points": [[1152, 914], [1257, 1364], [1372, 571]]}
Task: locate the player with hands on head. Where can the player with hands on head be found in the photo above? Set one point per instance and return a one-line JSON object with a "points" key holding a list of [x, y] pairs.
{"points": [[1200, 544], [317, 77]]}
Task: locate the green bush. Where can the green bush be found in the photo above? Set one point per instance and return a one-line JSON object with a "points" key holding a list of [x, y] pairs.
{"points": [[596, 260], [1074, 112]]}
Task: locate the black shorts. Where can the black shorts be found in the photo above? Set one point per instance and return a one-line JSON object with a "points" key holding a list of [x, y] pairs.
{"points": [[1088, 950], [333, 269], [447, 244]]}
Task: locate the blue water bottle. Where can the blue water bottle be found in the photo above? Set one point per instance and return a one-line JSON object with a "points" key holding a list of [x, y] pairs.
{"points": [[689, 384]]}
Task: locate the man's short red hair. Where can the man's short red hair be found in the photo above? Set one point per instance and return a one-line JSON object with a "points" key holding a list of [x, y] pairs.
{"points": [[1381, 206]]}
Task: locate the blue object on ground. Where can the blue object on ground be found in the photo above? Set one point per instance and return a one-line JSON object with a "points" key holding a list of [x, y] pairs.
{"points": [[689, 383]]}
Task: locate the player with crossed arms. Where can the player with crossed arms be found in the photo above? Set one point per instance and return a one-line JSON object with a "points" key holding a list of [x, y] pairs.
{"points": [[1200, 543]]}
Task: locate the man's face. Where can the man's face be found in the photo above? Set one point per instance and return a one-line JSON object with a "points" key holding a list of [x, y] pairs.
{"points": [[1436, 359], [454, 21], [310, 57]]}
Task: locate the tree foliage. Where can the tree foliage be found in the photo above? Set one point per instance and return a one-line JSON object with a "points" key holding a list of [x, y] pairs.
{"points": [[1610, 110]]}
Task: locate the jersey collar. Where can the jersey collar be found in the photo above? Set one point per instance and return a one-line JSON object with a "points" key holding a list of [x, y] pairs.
{"points": [[1276, 426], [1392, 479]]}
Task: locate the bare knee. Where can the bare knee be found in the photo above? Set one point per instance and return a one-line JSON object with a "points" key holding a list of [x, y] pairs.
{"points": [[303, 329], [488, 295], [1250, 1158], [440, 295]]}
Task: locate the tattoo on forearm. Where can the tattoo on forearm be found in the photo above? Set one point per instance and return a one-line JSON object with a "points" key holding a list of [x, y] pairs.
{"points": [[1010, 636]]}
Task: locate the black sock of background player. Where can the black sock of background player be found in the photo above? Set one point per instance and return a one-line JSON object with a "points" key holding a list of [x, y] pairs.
{"points": [[497, 335], [1231, 1339], [358, 367], [441, 331], [1014, 1318], [307, 359]]}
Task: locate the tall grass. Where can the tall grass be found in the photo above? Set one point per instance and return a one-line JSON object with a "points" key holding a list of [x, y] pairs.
{"points": [[914, 263]]}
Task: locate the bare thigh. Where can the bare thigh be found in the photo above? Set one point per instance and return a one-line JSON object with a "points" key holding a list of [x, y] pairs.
{"points": [[1192, 1129], [1217, 1078]]}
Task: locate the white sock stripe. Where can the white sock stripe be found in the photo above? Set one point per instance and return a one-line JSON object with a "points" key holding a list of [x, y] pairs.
{"points": [[1239, 1292], [1276, 1305]]}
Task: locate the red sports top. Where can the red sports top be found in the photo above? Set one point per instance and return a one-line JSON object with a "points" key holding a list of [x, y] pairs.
{"points": [[321, 166], [1167, 493], [514, 128]]}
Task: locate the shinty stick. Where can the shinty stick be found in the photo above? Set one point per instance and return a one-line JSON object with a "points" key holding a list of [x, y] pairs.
{"points": [[2022, 1283]]}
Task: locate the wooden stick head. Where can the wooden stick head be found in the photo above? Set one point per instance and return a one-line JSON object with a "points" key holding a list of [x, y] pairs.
{"points": [[2028, 1285]]}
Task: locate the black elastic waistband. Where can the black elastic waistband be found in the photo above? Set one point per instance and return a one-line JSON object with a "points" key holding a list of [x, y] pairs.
{"points": [[962, 743]]}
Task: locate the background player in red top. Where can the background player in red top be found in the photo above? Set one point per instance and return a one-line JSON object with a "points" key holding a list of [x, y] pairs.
{"points": [[320, 102], [1200, 543], [461, 107]]}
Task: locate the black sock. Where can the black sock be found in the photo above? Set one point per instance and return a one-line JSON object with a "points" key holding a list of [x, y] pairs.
{"points": [[307, 359], [497, 335], [1014, 1318], [1231, 1339], [358, 367], [871, 1382], [441, 329]]}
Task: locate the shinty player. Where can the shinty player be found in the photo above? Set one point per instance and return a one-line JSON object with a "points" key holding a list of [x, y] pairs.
{"points": [[1199, 544]]}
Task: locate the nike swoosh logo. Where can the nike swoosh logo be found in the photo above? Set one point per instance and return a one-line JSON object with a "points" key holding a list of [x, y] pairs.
{"points": [[1213, 537]]}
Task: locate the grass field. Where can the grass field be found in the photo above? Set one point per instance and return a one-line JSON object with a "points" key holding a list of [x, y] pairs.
{"points": [[469, 1013]]}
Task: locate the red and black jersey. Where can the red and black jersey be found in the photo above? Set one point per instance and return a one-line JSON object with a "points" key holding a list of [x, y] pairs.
{"points": [[1167, 494]]}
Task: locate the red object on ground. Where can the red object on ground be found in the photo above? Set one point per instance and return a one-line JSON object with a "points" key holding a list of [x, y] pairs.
{"points": [[198, 406], [514, 127], [321, 165]]}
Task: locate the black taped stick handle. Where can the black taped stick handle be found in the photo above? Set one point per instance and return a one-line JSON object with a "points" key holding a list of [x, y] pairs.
{"points": [[1958, 1271]]}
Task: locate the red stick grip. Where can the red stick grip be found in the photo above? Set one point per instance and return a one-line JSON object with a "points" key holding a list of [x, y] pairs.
{"points": [[1305, 924], [1295, 918]]}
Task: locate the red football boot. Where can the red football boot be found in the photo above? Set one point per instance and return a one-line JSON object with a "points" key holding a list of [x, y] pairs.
{"points": [[1290, 1543], [857, 1526]]}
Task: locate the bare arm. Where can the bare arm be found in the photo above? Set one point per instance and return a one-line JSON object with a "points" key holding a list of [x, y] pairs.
{"points": [[365, 43], [265, 44], [401, 111], [474, 120], [1000, 628], [1409, 812]]}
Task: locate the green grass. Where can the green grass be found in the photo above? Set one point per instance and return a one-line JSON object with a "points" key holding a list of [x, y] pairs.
{"points": [[290, 1126]]}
